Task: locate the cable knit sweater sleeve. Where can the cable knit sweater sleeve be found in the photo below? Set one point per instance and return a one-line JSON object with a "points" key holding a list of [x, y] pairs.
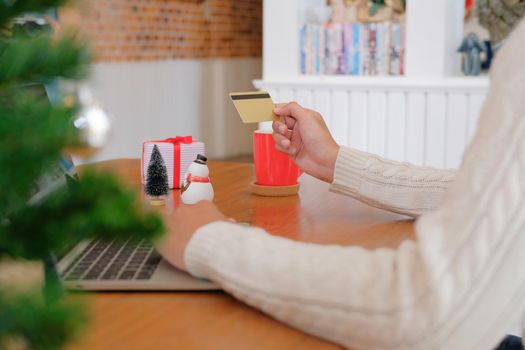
{"points": [[460, 285], [399, 187]]}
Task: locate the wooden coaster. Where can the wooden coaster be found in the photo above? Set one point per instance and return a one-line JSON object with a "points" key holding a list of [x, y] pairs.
{"points": [[274, 191]]}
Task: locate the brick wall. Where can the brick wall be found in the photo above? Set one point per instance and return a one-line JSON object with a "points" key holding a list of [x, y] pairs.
{"points": [[150, 30]]}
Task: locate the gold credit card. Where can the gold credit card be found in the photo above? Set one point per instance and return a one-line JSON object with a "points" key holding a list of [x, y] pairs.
{"points": [[254, 107]]}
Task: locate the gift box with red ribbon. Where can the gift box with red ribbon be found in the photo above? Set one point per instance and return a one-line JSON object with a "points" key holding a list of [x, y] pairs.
{"points": [[178, 153]]}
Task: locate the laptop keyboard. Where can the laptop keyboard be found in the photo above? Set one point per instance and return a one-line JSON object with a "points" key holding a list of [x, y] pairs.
{"points": [[102, 260]]}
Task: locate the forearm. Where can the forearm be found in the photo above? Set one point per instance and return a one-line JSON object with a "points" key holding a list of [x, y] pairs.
{"points": [[436, 293], [394, 186], [344, 294], [382, 299]]}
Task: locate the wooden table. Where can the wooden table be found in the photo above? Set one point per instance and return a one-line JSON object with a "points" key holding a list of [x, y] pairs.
{"points": [[214, 320]]}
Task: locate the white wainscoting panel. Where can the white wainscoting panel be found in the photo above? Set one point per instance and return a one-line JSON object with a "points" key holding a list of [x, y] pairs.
{"points": [[475, 102], [436, 107], [358, 122], [339, 122], [415, 128], [306, 97], [457, 127], [322, 104], [396, 123], [424, 122]]}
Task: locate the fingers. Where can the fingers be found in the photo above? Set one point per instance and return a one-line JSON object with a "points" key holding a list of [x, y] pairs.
{"points": [[289, 113], [280, 128], [290, 122], [282, 136], [281, 141], [292, 109], [283, 128], [289, 151], [284, 145]]}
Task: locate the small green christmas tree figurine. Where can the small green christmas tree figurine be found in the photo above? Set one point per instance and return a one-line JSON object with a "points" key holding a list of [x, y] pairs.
{"points": [[157, 179]]}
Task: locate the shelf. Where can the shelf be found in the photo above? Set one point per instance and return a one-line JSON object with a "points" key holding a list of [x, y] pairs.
{"points": [[452, 84], [434, 30]]}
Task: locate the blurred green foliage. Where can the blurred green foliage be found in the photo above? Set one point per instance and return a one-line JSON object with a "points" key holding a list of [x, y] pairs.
{"points": [[33, 135], [30, 321]]}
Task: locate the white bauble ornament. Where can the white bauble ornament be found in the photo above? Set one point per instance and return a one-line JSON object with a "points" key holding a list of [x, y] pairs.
{"points": [[92, 124]]}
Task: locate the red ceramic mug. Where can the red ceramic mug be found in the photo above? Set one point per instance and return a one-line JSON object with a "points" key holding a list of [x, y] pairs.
{"points": [[272, 168]]}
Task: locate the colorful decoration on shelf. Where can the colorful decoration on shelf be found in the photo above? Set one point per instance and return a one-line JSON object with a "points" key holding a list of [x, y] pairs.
{"points": [[157, 180], [469, 5], [471, 48], [345, 38], [197, 186], [339, 14], [352, 48], [380, 10], [368, 12], [318, 14], [489, 55], [351, 10], [396, 5]]}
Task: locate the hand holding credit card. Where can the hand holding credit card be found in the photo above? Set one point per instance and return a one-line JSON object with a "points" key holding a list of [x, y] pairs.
{"points": [[254, 107]]}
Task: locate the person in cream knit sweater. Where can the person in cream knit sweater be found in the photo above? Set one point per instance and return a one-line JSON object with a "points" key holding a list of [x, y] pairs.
{"points": [[459, 285]]}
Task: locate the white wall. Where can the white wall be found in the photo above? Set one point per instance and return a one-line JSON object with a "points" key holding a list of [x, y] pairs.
{"points": [[155, 100]]}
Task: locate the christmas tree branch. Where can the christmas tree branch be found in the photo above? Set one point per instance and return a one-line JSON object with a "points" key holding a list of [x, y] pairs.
{"points": [[12, 8], [32, 322], [41, 59], [94, 207], [32, 135]]}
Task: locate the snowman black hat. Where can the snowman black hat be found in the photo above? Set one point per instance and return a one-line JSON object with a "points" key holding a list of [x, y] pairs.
{"points": [[201, 159]]}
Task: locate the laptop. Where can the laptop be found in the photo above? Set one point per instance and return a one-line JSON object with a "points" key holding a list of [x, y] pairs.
{"points": [[97, 265], [110, 265]]}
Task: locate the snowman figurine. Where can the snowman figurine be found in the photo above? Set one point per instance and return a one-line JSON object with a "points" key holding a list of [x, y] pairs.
{"points": [[196, 185]]}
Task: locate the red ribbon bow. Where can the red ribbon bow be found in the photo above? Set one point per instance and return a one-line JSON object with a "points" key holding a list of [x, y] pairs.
{"points": [[176, 141]]}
